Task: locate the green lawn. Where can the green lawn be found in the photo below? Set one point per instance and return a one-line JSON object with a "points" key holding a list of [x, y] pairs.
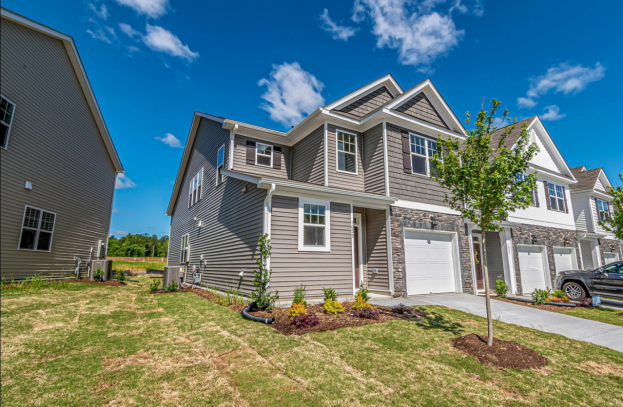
{"points": [[98, 345], [607, 315]]}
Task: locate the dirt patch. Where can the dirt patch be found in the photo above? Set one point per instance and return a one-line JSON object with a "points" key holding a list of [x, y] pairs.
{"points": [[545, 307], [113, 283], [502, 354], [620, 314], [602, 369]]}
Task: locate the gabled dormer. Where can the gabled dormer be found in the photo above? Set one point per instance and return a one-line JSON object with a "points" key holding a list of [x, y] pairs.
{"points": [[593, 202]]}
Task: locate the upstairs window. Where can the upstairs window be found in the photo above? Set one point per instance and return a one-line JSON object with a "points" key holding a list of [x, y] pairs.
{"points": [[195, 189], [346, 152], [264, 154], [535, 198], [7, 111], [422, 149], [37, 230], [184, 250], [220, 162], [602, 208], [556, 197]]}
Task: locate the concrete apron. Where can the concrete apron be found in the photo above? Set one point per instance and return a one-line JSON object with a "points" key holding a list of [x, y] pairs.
{"points": [[598, 333]]}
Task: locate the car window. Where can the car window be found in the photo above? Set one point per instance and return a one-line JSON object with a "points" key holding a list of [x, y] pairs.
{"points": [[614, 268]]}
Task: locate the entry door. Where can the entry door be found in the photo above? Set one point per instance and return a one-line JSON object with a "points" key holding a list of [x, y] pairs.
{"points": [[563, 259], [531, 268], [480, 279]]}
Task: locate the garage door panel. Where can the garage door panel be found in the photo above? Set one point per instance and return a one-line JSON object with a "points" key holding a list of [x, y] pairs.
{"points": [[563, 259], [429, 263], [531, 268]]}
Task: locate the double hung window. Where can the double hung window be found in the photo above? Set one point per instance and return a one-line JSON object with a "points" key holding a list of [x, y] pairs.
{"points": [[264, 154], [194, 190], [602, 207], [422, 149], [185, 249], [314, 225], [220, 162], [7, 110], [556, 197], [346, 152], [37, 230]]}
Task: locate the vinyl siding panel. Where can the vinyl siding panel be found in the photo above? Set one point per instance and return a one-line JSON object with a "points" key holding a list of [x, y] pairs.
{"points": [[292, 268], [373, 161], [232, 221], [411, 187], [55, 144], [368, 103], [582, 212], [240, 160], [308, 158], [421, 108], [341, 179], [376, 250], [495, 263]]}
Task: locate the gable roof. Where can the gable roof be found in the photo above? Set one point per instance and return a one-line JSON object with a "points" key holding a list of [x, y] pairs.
{"points": [[587, 179], [81, 75], [387, 81]]}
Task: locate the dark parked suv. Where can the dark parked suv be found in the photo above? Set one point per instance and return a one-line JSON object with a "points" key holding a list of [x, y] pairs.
{"points": [[605, 281]]}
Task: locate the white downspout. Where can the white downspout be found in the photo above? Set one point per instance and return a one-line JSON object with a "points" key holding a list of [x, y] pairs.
{"points": [[326, 154], [390, 261], [385, 163], [232, 134], [267, 216]]}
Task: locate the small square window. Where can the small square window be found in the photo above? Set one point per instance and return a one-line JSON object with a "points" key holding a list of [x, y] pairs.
{"points": [[264, 154]]}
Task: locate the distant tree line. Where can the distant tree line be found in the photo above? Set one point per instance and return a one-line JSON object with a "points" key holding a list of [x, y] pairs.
{"points": [[138, 246]]}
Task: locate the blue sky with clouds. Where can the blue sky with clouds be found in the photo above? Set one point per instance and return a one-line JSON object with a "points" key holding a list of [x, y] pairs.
{"points": [[152, 63]]}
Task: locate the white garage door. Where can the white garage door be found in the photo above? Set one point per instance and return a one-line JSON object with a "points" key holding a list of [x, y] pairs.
{"points": [[430, 263], [611, 257], [531, 268], [563, 258]]}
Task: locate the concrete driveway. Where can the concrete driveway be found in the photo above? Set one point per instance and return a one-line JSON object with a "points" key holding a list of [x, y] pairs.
{"points": [[599, 333]]}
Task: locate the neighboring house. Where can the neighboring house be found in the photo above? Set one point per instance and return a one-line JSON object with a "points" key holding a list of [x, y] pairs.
{"points": [[591, 205], [58, 161]]}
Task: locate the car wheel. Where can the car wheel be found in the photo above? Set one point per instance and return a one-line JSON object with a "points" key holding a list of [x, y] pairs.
{"points": [[574, 291]]}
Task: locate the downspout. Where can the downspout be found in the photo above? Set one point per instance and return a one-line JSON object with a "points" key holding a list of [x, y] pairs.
{"points": [[268, 206], [232, 134], [390, 260], [385, 163], [326, 154]]}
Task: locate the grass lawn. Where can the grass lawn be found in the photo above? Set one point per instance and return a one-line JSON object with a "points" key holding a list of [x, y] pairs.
{"points": [[128, 265], [93, 345], [607, 315]]}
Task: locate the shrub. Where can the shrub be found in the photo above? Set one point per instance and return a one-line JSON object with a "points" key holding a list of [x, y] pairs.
{"points": [[501, 288], [361, 303], [234, 297], [296, 309], [97, 274], [403, 310], [540, 296], [264, 300], [333, 307], [172, 287], [363, 292], [367, 313], [299, 295], [329, 294], [585, 303], [153, 287], [306, 321], [120, 276]]}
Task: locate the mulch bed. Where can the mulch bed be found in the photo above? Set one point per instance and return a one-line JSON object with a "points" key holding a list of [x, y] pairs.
{"points": [[114, 283], [545, 307], [620, 314], [502, 354]]}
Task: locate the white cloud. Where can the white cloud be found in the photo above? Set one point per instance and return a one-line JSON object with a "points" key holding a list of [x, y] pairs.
{"points": [[101, 12], [119, 232], [419, 34], [159, 39], [106, 34], [291, 92], [552, 114], [123, 182], [131, 50], [565, 78], [170, 140], [115, 210], [150, 8], [476, 7], [128, 30], [338, 32]]}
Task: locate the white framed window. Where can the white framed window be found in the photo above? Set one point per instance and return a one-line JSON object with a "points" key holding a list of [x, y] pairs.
{"points": [[184, 249], [556, 197], [263, 154], [220, 162], [520, 178], [7, 112], [422, 149], [314, 225], [195, 189], [602, 207], [37, 230], [346, 152]]}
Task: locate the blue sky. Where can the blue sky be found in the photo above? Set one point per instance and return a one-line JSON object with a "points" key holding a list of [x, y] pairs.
{"points": [[152, 63]]}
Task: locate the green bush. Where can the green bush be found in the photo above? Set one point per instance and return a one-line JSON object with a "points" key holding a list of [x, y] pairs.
{"points": [[363, 292], [97, 274], [540, 296], [299, 295], [501, 288], [172, 287], [329, 294], [262, 296], [120, 276], [559, 294], [333, 307], [155, 284]]}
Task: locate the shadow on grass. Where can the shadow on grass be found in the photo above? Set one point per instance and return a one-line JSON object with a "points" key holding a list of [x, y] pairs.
{"points": [[438, 321]]}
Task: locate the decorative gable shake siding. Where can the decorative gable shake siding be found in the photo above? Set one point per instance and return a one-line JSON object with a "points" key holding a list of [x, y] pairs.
{"points": [[56, 145], [410, 187], [373, 161], [421, 108], [281, 171], [308, 158], [368, 103], [292, 268], [339, 179], [232, 219]]}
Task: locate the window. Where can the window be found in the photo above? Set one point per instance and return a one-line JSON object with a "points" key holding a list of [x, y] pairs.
{"points": [[7, 111], [556, 197], [220, 161], [520, 178], [614, 268], [264, 154], [194, 190], [602, 207], [37, 230], [185, 250], [421, 151], [346, 152], [314, 225]]}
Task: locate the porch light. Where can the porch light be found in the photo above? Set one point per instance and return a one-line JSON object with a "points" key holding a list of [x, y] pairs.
{"points": [[533, 239], [433, 222], [566, 242]]}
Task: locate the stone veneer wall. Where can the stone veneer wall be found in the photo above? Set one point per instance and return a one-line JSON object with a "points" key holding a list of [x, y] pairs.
{"points": [[411, 218], [605, 245], [544, 236]]}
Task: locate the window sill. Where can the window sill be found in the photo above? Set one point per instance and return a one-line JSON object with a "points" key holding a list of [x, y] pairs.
{"points": [[314, 249], [35, 251], [347, 172]]}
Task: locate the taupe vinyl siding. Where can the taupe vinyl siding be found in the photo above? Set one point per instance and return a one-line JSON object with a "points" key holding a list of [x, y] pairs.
{"points": [[232, 220], [240, 159], [55, 144], [376, 250], [368, 103], [411, 187], [495, 263], [308, 158], [292, 268], [373, 161], [582, 212], [341, 179], [421, 108]]}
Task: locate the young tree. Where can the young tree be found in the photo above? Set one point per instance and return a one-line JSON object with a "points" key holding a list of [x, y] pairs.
{"points": [[481, 176], [614, 222]]}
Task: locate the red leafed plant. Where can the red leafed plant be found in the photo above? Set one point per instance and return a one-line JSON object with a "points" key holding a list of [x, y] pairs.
{"points": [[367, 313], [306, 321]]}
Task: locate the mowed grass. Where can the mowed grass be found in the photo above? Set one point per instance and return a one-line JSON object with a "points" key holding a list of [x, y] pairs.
{"points": [[98, 345], [128, 265], [607, 315]]}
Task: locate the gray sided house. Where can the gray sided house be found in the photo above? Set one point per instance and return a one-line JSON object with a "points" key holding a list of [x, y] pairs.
{"points": [[347, 199], [58, 160]]}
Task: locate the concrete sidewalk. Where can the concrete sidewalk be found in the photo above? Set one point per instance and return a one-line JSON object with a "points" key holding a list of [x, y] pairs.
{"points": [[599, 333]]}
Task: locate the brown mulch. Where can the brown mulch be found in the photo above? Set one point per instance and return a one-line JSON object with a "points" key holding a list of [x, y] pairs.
{"points": [[620, 314], [545, 307], [502, 354]]}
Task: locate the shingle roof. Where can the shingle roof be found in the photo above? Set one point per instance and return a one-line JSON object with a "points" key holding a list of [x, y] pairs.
{"points": [[512, 138], [586, 179]]}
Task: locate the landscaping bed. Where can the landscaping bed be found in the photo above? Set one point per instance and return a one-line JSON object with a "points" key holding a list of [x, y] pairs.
{"points": [[545, 307], [113, 283], [502, 354]]}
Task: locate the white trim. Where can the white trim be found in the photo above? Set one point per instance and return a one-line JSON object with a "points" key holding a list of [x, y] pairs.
{"points": [[326, 153], [327, 225], [367, 89], [390, 260], [8, 132], [385, 163], [38, 228], [427, 140], [222, 165], [527, 221], [506, 245], [352, 249], [232, 135], [337, 152], [187, 235], [272, 151], [425, 207], [470, 240], [424, 125]]}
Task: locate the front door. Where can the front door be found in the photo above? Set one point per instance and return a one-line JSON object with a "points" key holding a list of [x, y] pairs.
{"points": [[480, 279]]}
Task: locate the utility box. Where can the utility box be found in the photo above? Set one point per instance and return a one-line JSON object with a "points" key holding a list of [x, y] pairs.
{"points": [[172, 275], [105, 265]]}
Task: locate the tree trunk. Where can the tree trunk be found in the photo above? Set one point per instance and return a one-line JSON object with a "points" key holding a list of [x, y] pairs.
{"points": [[487, 295]]}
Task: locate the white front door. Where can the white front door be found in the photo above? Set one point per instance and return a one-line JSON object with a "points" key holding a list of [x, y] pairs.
{"points": [[531, 268], [610, 258], [563, 258], [430, 263]]}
